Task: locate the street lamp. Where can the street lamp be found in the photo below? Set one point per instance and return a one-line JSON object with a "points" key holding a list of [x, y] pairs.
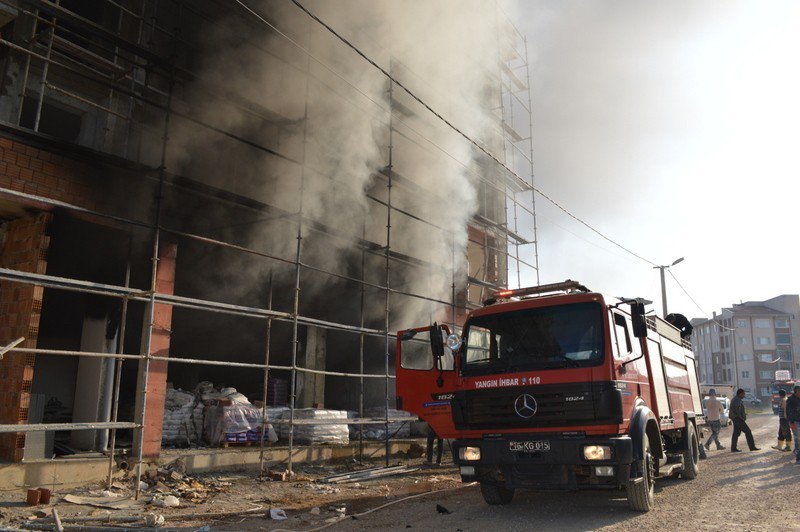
{"points": [[664, 285]]}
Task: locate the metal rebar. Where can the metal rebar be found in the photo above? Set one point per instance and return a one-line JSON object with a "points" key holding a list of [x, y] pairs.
{"points": [[34, 27], [101, 425], [149, 323], [44, 427], [62, 283], [298, 255], [266, 382], [362, 313], [199, 361], [43, 83], [118, 366], [533, 193], [387, 297]]}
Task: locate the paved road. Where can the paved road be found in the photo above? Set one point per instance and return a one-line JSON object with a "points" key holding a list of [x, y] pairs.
{"points": [[745, 491]]}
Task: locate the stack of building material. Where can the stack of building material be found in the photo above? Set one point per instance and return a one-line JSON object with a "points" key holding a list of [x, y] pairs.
{"points": [[231, 418], [277, 392], [326, 431], [397, 429], [183, 418]]}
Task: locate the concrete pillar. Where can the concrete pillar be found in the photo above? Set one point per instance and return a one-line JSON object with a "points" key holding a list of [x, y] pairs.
{"points": [[159, 346], [93, 383], [312, 390]]}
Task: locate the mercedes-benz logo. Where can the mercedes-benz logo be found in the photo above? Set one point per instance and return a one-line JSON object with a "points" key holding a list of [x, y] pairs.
{"points": [[525, 406]]}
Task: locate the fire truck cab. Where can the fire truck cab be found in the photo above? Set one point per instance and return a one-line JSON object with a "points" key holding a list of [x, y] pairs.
{"points": [[783, 381], [556, 387]]}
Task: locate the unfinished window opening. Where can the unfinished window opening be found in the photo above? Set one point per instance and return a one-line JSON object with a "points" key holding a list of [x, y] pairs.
{"points": [[56, 119]]}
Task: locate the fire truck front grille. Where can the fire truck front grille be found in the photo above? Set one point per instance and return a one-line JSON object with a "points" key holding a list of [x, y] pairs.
{"points": [[537, 406]]}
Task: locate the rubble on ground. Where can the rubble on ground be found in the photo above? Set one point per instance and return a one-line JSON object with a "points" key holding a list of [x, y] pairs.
{"points": [[172, 497]]}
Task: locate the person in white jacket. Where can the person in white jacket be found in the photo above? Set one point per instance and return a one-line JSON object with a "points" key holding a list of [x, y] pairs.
{"points": [[714, 409]]}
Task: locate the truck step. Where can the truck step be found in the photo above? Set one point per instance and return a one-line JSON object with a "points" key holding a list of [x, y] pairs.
{"points": [[670, 469]]}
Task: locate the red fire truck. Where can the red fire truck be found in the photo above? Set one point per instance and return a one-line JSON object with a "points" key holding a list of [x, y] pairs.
{"points": [[557, 387], [783, 381]]}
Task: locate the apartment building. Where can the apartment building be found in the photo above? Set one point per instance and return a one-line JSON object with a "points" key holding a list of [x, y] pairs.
{"points": [[743, 345]]}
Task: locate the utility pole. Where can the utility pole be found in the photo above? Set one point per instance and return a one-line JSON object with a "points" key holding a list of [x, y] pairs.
{"points": [[664, 285]]}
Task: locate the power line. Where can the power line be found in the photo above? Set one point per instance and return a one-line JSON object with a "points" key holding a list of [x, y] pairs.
{"points": [[696, 304], [458, 130], [438, 115]]}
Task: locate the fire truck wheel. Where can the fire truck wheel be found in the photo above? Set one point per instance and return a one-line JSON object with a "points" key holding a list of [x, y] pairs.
{"points": [[640, 494], [691, 455], [494, 494]]}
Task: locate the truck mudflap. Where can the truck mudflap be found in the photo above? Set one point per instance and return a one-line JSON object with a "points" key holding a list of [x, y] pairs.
{"points": [[545, 462]]}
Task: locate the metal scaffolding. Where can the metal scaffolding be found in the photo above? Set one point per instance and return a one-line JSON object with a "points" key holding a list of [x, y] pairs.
{"points": [[133, 79]]}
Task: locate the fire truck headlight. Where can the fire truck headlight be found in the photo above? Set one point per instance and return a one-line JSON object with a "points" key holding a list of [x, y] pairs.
{"points": [[469, 454], [597, 452]]}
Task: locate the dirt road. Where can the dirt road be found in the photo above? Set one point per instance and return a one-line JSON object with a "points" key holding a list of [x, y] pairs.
{"points": [[746, 491]]}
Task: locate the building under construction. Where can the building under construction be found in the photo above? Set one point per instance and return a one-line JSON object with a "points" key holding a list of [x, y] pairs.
{"points": [[232, 192]]}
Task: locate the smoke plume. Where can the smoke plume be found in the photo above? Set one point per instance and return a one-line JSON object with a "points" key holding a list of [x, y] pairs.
{"points": [[328, 118]]}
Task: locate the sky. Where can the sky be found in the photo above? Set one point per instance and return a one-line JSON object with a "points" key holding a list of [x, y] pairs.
{"points": [[674, 129]]}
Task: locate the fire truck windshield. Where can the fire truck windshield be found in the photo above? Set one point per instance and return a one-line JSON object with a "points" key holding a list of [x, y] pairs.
{"points": [[542, 338]]}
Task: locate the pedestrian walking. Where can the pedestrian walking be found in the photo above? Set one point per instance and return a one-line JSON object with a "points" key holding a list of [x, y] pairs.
{"points": [[738, 416], [784, 430], [793, 416], [714, 409], [429, 447]]}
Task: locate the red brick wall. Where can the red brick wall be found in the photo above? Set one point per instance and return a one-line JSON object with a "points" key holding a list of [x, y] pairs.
{"points": [[159, 346], [30, 170], [25, 249]]}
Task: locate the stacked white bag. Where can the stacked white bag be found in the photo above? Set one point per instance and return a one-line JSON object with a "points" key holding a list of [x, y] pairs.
{"points": [[317, 433], [182, 418]]}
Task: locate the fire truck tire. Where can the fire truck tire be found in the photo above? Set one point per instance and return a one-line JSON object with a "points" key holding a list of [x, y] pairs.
{"points": [[691, 455], [640, 494], [495, 495]]}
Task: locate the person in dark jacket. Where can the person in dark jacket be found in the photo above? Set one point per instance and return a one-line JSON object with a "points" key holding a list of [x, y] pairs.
{"points": [[738, 416], [793, 417], [784, 431]]}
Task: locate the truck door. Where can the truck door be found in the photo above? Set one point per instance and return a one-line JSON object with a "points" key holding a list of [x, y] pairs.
{"points": [[425, 383], [658, 378]]}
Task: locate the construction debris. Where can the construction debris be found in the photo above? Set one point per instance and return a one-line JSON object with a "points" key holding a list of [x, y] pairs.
{"points": [[170, 501], [216, 498], [153, 520], [57, 521], [277, 514], [366, 474], [112, 503]]}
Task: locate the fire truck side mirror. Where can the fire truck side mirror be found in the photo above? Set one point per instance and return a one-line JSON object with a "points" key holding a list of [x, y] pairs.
{"points": [[437, 345], [638, 320]]}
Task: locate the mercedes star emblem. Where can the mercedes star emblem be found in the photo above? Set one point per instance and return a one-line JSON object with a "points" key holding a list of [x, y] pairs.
{"points": [[525, 406]]}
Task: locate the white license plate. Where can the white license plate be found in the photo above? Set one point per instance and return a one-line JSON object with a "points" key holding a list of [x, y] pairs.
{"points": [[529, 446]]}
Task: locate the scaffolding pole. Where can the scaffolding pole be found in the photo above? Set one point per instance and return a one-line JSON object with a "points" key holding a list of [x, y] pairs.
{"points": [[387, 279], [266, 381], [150, 317], [149, 94], [298, 255], [118, 367]]}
